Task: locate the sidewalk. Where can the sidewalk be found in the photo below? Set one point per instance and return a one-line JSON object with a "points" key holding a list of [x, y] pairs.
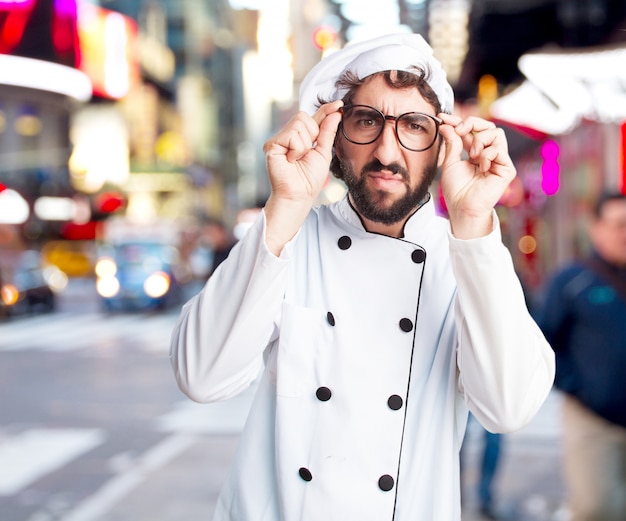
{"points": [[528, 485]]}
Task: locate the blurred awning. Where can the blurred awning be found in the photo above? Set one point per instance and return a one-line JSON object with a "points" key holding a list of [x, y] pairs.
{"points": [[45, 76], [563, 88]]}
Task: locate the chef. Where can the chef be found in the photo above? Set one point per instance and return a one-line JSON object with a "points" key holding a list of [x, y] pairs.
{"points": [[372, 325]]}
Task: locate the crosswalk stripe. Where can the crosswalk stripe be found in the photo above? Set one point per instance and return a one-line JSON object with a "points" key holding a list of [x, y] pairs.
{"points": [[96, 506], [68, 331], [26, 457]]}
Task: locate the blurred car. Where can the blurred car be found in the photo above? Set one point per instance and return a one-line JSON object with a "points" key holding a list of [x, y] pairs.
{"points": [[26, 286], [138, 275]]}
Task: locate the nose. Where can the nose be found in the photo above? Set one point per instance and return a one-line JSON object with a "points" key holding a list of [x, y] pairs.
{"points": [[387, 145]]}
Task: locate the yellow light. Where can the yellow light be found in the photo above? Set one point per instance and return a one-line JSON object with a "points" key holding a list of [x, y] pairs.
{"points": [[324, 37], [107, 287], [9, 294], [157, 284], [28, 125], [106, 267]]}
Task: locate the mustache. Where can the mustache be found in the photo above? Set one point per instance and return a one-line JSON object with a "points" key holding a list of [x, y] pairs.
{"points": [[377, 166]]}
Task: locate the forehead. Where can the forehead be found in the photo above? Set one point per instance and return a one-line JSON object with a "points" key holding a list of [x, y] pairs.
{"points": [[390, 100]]}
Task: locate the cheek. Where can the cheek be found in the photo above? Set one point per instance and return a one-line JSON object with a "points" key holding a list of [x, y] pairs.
{"points": [[354, 155]]}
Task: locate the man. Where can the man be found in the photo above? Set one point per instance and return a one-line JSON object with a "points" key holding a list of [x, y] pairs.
{"points": [[584, 317], [376, 325]]}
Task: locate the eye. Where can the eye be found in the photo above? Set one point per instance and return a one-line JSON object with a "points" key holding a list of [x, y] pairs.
{"points": [[365, 119], [415, 123]]}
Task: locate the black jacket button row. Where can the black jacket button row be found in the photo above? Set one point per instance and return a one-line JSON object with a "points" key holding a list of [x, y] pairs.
{"points": [[344, 242], [406, 325], [418, 256], [385, 482]]}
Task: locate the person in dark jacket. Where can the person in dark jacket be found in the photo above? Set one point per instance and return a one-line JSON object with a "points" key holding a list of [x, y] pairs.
{"points": [[583, 317]]}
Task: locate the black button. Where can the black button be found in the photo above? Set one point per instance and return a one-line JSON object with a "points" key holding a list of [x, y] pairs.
{"points": [[395, 402], [344, 242], [385, 482], [406, 325], [331, 319], [418, 256], [306, 475], [323, 394]]}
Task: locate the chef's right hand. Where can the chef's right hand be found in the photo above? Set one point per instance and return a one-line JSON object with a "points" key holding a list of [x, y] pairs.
{"points": [[298, 163], [298, 157]]}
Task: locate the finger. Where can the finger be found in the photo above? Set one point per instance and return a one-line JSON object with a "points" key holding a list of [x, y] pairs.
{"points": [[328, 131], [306, 131], [295, 139], [453, 145], [477, 142], [489, 146], [325, 110], [473, 125]]}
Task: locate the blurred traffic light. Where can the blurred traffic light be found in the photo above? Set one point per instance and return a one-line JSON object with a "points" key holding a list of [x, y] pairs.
{"points": [[324, 37]]}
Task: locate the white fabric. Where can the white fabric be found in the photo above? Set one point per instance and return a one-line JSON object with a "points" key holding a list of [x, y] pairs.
{"points": [[400, 52], [473, 345]]}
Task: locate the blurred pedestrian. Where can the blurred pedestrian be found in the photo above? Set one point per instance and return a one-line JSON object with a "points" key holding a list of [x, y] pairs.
{"points": [[488, 464], [376, 323], [221, 241], [584, 318]]}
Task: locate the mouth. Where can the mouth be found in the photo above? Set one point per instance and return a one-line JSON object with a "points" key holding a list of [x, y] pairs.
{"points": [[385, 179]]}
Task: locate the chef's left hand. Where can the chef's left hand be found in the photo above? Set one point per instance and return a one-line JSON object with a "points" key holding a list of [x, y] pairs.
{"points": [[473, 185]]}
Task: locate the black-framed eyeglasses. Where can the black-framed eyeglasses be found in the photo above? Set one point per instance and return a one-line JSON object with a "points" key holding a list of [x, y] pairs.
{"points": [[362, 125]]}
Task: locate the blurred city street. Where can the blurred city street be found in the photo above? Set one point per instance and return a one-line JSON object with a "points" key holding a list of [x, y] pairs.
{"points": [[93, 427], [135, 139]]}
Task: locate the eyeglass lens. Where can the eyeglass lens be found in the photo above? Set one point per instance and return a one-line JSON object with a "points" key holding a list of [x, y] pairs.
{"points": [[363, 125]]}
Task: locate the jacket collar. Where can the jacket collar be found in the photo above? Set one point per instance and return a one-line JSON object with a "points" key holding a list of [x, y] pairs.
{"points": [[416, 224]]}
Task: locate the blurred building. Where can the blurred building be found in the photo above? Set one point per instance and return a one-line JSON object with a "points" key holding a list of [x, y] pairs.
{"points": [[155, 111], [40, 88]]}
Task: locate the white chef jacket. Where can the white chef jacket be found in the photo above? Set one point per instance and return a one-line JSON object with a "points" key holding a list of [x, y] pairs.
{"points": [[372, 350]]}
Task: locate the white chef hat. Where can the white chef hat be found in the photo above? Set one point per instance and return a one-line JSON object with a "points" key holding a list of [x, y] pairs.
{"points": [[400, 52]]}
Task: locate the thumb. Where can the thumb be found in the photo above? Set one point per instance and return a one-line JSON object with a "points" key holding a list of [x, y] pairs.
{"points": [[328, 119], [328, 131], [454, 145]]}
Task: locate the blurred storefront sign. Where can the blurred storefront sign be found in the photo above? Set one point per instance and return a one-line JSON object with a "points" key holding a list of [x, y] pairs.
{"points": [[100, 154], [108, 44], [564, 88], [44, 76], [40, 29]]}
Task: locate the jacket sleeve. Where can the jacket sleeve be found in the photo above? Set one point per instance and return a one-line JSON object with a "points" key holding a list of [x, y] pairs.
{"points": [[506, 366], [218, 343]]}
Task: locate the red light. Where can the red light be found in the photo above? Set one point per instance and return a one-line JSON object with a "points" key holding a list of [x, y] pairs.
{"points": [[2, 187], [109, 202]]}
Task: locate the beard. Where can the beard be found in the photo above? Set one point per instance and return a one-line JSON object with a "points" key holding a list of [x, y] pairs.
{"points": [[374, 205]]}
